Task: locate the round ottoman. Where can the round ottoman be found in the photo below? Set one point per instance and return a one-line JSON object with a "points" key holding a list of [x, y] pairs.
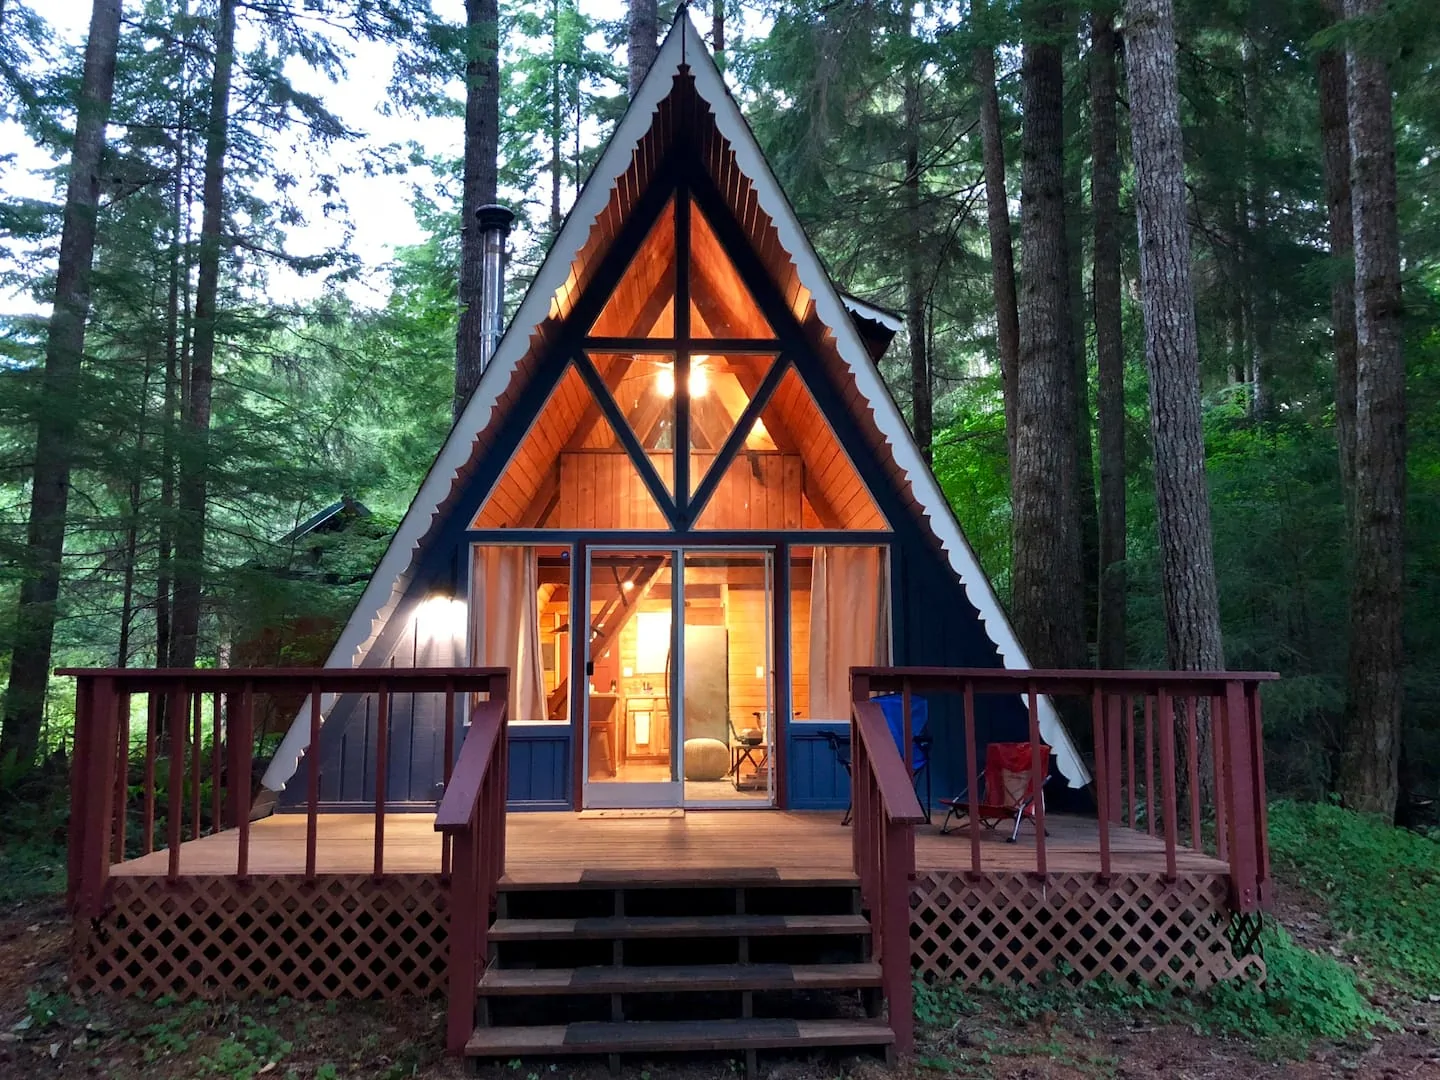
{"points": [[706, 759]]}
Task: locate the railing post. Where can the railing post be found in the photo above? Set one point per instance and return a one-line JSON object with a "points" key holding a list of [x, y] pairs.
{"points": [[382, 744], [1192, 767], [122, 775], [197, 708], [1257, 741], [238, 744], [899, 870], [500, 767], [177, 706], [152, 723], [79, 776], [465, 916], [1244, 851], [312, 801], [1129, 712], [98, 783]]}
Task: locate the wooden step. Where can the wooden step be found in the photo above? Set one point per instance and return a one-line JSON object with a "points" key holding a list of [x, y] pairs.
{"points": [[665, 926], [593, 1037], [719, 878], [678, 979]]}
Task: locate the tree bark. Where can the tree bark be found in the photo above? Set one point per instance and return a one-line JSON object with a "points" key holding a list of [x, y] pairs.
{"points": [[1335, 145], [1370, 754], [1047, 595], [58, 416], [1002, 252], [1109, 342], [194, 461], [1172, 354], [922, 408], [479, 185], [644, 32]]}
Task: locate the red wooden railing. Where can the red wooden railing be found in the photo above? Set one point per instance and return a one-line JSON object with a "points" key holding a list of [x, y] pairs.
{"points": [[471, 818], [1138, 719], [886, 812], [106, 799]]}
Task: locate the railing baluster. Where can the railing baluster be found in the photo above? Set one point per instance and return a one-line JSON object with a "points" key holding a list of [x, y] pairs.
{"points": [[972, 784], [197, 707], [1217, 753], [177, 713], [1102, 776], [152, 718], [382, 743], [907, 737], [242, 740], [1192, 769], [122, 776], [1150, 807], [1037, 782], [1113, 748], [1166, 722], [1244, 817], [312, 802], [215, 763], [1129, 705], [446, 770]]}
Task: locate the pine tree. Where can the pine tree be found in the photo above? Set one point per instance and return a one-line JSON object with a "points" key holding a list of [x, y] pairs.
{"points": [[56, 432]]}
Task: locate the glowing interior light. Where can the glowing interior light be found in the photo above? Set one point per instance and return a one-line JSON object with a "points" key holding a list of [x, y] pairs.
{"points": [[699, 380], [627, 585], [759, 431], [665, 382]]}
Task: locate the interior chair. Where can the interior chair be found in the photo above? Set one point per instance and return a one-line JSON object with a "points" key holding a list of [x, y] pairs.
{"points": [[1009, 793], [892, 705]]}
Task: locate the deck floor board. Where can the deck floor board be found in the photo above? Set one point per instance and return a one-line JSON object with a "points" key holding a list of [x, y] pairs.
{"points": [[562, 848]]}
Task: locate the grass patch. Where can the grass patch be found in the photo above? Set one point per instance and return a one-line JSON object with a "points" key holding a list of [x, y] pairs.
{"points": [[1381, 885], [1306, 997]]}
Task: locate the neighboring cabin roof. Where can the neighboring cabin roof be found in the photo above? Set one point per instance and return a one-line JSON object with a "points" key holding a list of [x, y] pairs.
{"points": [[729, 150]]}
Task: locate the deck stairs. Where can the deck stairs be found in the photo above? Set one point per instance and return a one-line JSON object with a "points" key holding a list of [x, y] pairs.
{"points": [[679, 964]]}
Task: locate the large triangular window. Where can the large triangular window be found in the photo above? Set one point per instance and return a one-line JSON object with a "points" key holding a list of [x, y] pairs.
{"points": [[642, 304], [721, 304]]}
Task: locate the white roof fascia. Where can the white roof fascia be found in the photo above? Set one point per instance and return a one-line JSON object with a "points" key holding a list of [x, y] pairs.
{"points": [[832, 312], [888, 319]]}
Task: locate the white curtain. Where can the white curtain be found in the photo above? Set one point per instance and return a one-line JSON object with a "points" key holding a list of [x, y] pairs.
{"points": [[505, 623], [849, 623]]}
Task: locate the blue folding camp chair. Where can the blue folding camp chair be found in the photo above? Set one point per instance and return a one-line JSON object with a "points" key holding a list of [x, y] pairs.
{"points": [[892, 705]]}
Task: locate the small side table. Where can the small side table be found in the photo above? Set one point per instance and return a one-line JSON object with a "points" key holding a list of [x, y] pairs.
{"points": [[739, 755]]}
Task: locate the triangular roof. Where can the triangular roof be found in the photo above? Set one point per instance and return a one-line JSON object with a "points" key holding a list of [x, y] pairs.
{"points": [[712, 119]]}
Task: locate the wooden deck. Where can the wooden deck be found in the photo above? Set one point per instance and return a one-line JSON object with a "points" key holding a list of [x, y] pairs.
{"points": [[561, 848]]}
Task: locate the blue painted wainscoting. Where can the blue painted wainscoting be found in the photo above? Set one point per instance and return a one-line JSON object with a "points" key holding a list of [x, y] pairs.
{"points": [[539, 767], [817, 782]]}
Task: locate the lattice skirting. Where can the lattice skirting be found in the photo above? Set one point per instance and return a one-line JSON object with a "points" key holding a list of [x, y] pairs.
{"points": [[1012, 928], [340, 936]]}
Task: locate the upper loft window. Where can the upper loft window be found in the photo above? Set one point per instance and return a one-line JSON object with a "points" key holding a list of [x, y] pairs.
{"points": [[681, 409]]}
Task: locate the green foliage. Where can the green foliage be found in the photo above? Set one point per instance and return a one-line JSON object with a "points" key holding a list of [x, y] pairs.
{"points": [[1381, 885], [1306, 995]]}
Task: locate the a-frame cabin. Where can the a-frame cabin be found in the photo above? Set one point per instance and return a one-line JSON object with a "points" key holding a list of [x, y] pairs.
{"points": [[684, 446], [680, 584]]}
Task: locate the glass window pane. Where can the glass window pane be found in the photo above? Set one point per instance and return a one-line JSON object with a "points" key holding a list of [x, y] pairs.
{"points": [[720, 390], [644, 388], [840, 618], [720, 303], [643, 302]]}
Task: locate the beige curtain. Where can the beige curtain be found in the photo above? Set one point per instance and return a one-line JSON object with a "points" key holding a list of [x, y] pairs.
{"points": [[849, 623], [505, 627]]}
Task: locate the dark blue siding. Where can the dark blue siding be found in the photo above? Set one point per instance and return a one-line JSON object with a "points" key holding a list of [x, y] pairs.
{"points": [[539, 767], [817, 782]]}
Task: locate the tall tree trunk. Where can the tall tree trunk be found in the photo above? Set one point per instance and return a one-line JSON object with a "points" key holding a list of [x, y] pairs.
{"points": [[1258, 292], [195, 459], [1047, 592], [643, 25], [1172, 353], [997, 212], [57, 419], [1335, 144], [1109, 344], [1375, 694], [1079, 392], [922, 408], [480, 183]]}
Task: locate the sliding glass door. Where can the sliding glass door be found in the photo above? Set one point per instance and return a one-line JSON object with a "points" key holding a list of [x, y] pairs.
{"points": [[679, 677]]}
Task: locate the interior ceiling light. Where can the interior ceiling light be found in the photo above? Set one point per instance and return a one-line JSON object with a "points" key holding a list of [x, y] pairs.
{"points": [[699, 379]]}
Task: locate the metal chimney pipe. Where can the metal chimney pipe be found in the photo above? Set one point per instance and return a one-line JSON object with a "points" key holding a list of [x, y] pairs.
{"points": [[494, 222]]}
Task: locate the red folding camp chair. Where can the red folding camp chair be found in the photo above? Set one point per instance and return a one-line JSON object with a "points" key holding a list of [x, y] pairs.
{"points": [[1009, 788]]}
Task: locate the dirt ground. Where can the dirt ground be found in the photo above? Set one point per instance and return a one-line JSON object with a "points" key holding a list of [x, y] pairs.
{"points": [[45, 1032]]}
